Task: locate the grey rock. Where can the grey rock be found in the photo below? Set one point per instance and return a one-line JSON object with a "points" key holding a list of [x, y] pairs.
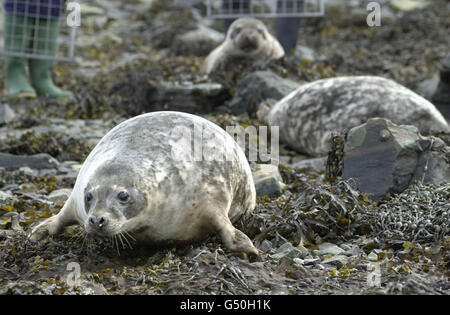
{"points": [[265, 245], [47, 172], [284, 159], [373, 256], [37, 161], [199, 42], [258, 86], [28, 171], [91, 10], [381, 157], [304, 53], [329, 248], [268, 181], [304, 252], [307, 261], [337, 260], [318, 164], [60, 195], [186, 97], [5, 195], [289, 251], [4, 234], [6, 114], [345, 247]]}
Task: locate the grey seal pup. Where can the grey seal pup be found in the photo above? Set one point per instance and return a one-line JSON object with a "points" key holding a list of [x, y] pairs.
{"points": [[309, 115], [161, 178], [247, 40]]}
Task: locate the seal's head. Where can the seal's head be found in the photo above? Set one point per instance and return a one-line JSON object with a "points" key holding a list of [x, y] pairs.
{"points": [[111, 201], [249, 36]]}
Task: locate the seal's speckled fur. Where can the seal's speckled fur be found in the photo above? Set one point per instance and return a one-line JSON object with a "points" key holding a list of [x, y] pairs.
{"points": [[175, 199], [309, 115]]}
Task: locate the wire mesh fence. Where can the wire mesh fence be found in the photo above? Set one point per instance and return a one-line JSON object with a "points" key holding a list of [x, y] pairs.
{"points": [[223, 9], [37, 29]]}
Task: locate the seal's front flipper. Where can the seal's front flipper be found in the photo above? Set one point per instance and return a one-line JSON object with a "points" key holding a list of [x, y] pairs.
{"points": [[56, 223], [233, 238]]}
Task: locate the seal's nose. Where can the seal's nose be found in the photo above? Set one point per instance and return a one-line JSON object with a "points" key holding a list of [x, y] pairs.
{"points": [[249, 42], [97, 222]]}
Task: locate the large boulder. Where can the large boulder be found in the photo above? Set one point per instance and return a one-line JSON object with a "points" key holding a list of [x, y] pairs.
{"points": [[257, 87], [308, 116], [382, 157], [186, 97], [198, 42]]}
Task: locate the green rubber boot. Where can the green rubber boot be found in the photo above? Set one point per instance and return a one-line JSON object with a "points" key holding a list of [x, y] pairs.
{"points": [[17, 31], [46, 36]]}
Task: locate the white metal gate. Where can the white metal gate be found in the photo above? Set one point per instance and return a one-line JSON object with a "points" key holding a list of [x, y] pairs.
{"points": [[223, 9]]}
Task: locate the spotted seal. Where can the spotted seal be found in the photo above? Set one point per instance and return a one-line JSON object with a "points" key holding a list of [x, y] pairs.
{"points": [[147, 178], [308, 116], [247, 40]]}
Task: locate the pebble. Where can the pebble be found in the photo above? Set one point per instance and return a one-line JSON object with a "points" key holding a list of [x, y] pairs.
{"points": [[268, 181], [265, 245], [60, 195], [329, 248], [372, 256], [5, 195], [337, 261], [287, 250], [307, 261]]}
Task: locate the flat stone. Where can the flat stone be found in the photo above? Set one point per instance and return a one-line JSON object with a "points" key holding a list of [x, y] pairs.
{"points": [[91, 10], [4, 234], [5, 195], [28, 171], [36, 161], [304, 53], [288, 250], [268, 181], [199, 42], [257, 87], [329, 248], [372, 256], [6, 114], [265, 245], [60, 195], [318, 164], [307, 261], [187, 97], [339, 261]]}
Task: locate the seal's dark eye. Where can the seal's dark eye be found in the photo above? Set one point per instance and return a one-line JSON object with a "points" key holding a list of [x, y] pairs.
{"points": [[236, 31], [261, 31], [89, 196], [123, 195]]}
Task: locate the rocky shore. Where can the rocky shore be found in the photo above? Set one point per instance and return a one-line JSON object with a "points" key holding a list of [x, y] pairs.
{"points": [[317, 232]]}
